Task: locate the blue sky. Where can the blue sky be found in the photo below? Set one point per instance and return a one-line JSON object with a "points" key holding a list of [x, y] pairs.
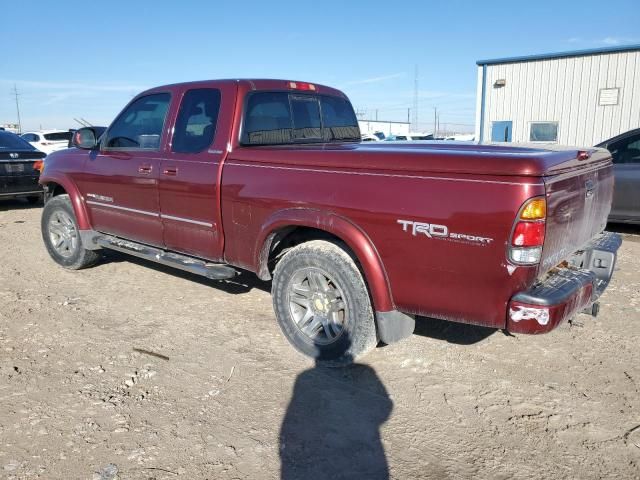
{"points": [[87, 59]]}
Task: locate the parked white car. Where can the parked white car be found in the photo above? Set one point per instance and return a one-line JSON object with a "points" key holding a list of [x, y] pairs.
{"points": [[463, 137], [410, 137], [48, 141], [369, 137]]}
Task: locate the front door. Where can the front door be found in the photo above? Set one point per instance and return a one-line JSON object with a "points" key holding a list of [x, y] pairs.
{"points": [[626, 167], [191, 169], [120, 181]]}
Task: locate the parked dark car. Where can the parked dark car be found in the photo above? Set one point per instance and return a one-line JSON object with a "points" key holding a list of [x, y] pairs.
{"points": [[20, 166], [625, 150]]}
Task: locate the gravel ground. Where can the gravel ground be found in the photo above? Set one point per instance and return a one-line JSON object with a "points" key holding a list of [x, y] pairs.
{"points": [[133, 371]]}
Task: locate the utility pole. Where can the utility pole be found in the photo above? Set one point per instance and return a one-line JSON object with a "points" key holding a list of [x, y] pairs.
{"points": [[376, 114], [415, 100], [435, 121], [408, 115], [15, 93]]}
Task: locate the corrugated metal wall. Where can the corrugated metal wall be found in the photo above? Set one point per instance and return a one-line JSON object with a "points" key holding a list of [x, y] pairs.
{"points": [[565, 90]]}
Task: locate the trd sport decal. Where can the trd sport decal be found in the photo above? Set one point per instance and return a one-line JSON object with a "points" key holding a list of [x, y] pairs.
{"points": [[432, 230]]}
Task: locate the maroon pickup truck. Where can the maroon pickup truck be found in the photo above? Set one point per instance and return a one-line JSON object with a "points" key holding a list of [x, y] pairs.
{"points": [[270, 176]]}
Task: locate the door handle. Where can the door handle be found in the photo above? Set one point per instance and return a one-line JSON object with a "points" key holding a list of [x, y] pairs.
{"points": [[145, 169], [170, 171]]}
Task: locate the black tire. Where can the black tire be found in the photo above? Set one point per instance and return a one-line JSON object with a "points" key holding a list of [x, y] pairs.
{"points": [[76, 256], [34, 199], [358, 331]]}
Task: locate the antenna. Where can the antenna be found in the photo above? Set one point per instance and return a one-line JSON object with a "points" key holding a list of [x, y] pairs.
{"points": [[16, 94], [87, 123], [82, 122], [415, 100]]}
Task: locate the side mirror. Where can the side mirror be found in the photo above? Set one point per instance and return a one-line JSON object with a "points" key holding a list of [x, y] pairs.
{"points": [[85, 138]]}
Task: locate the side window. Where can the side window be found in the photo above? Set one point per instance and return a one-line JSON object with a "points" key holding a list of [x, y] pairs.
{"points": [[501, 131], [140, 125], [543, 132], [626, 151], [28, 137], [196, 122]]}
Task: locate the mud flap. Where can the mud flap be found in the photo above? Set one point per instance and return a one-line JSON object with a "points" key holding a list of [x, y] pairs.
{"points": [[393, 326]]}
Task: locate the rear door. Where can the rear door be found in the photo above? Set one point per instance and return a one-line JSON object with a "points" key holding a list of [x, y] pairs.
{"points": [[191, 170], [626, 166], [120, 181]]}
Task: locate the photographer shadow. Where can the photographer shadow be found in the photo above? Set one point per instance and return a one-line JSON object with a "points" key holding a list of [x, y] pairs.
{"points": [[331, 429]]}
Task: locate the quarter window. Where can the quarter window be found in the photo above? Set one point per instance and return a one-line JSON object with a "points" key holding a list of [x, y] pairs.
{"points": [[196, 122], [139, 126], [543, 132]]}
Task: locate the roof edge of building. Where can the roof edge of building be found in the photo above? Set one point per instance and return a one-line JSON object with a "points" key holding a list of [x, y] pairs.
{"points": [[550, 56]]}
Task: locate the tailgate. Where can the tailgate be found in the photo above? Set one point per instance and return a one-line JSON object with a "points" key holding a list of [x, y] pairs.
{"points": [[578, 204]]}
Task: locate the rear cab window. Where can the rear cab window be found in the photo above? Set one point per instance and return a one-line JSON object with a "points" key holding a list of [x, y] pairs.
{"points": [[276, 118]]}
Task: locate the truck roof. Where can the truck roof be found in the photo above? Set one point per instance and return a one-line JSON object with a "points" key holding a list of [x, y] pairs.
{"points": [[251, 84]]}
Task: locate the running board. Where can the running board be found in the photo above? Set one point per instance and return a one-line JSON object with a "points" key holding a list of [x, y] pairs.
{"points": [[213, 271]]}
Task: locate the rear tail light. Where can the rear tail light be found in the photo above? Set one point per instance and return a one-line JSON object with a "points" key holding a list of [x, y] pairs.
{"points": [[302, 86], [527, 238], [38, 165]]}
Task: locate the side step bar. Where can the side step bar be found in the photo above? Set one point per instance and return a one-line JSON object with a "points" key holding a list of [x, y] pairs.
{"points": [[213, 271]]}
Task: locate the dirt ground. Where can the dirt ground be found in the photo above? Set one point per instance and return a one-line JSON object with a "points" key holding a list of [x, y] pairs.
{"points": [[82, 394]]}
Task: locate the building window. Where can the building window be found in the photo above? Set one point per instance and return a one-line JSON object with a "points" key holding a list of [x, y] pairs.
{"points": [[543, 132], [608, 96], [501, 131]]}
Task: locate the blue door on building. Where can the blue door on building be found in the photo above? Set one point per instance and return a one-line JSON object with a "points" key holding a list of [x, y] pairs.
{"points": [[501, 131]]}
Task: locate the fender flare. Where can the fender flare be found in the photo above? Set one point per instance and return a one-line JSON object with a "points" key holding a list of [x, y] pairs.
{"points": [[355, 238], [77, 201]]}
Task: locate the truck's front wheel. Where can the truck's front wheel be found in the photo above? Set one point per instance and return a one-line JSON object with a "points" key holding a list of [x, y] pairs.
{"points": [[322, 303], [62, 237]]}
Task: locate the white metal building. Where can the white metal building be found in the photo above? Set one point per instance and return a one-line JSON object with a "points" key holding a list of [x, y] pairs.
{"points": [[570, 98]]}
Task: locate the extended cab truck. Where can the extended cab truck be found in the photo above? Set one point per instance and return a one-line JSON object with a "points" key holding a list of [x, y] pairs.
{"points": [[270, 176]]}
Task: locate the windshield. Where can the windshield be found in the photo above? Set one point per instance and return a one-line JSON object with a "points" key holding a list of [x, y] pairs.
{"points": [[275, 118], [11, 141]]}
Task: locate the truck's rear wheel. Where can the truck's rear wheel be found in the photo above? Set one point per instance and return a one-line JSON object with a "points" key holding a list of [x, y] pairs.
{"points": [[62, 237], [322, 303]]}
